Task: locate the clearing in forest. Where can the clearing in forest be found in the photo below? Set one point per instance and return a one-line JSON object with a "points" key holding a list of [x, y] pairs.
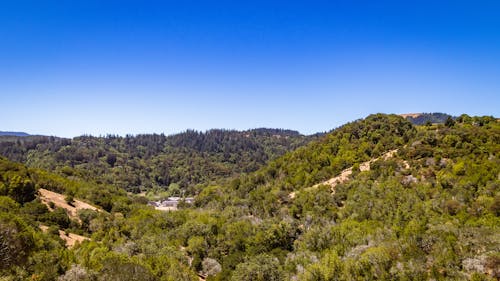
{"points": [[59, 200]]}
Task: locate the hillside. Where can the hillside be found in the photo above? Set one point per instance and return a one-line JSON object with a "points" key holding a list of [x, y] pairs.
{"points": [[428, 212], [376, 199], [174, 163]]}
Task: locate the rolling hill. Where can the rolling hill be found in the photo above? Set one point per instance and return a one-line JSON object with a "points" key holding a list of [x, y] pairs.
{"points": [[376, 199]]}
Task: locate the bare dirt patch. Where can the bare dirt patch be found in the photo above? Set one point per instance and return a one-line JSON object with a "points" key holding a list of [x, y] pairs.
{"points": [[70, 238], [412, 115], [58, 199]]}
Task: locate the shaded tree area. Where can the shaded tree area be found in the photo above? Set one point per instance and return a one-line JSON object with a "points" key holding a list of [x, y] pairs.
{"points": [[15, 182]]}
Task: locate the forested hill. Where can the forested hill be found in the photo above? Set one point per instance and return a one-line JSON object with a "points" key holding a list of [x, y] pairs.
{"points": [[413, 203], [144, 162], [429, 210]]}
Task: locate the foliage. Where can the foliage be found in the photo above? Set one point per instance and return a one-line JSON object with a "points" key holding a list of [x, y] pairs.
{"points": [[259, 268], [154, 162], [15, 182]]}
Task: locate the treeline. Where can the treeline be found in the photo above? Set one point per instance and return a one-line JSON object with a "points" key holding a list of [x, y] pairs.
{"points": [[144, 162]]}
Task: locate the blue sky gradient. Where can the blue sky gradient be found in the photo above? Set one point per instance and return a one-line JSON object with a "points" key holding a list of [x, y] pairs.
{"points": [[95, 67]]}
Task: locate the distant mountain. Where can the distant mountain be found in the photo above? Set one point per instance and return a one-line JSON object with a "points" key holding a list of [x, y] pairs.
{"points": [[15, 134], [423, 118]]}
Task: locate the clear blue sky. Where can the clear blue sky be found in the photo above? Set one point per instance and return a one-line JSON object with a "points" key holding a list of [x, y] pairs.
{"points": [[73, 67]]}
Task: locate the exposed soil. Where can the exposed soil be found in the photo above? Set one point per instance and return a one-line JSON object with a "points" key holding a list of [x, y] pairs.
{"points": [[412, 115], [58, 199], [70, 238]]}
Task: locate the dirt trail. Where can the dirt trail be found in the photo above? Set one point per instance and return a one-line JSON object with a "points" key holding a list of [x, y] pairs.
{"points": [[365, 166], [344, 175], [48, 196], [70, 238]]}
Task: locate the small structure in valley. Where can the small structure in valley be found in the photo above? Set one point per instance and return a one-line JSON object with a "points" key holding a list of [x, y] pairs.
{"points": [[170, 203]]}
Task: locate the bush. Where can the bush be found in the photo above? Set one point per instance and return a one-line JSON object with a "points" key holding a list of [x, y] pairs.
{"points": [[19, 188], [58, 217], [16, 241], [259, 268]]}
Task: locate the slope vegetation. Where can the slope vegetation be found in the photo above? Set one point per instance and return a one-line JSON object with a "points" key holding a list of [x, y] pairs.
{"points": [[174, 163], [428, 212]]}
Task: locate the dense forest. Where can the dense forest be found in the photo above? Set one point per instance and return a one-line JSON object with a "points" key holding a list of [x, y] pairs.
{"points": [[415, 203], [154, 162]]}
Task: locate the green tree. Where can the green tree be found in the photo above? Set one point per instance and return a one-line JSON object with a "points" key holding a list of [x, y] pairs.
{"points": [[18, 188], [16, 241]]}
